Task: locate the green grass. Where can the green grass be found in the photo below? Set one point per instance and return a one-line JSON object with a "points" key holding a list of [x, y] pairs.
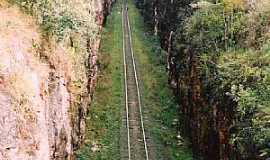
{"points": [[159, 105], [104, 120]]}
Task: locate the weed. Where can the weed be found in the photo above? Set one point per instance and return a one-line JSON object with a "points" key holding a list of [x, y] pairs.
{"points": [[159, 104], [104, 119]]}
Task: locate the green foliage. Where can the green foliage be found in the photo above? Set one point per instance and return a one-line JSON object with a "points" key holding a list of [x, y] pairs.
{"points": [[244, 76], [232, 46], [255, 31], [61, 18], [104, 119], [205, 29], [60, 25], [159, 104], [213, 29]]}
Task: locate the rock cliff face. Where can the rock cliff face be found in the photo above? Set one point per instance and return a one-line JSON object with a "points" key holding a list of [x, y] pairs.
{"points": [[208, 113], [205, 119], [42, 102]]}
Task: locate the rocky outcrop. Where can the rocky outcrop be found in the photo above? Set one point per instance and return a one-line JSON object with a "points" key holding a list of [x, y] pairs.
{"points": [[207, 115], [206, 118], [42, 104]]}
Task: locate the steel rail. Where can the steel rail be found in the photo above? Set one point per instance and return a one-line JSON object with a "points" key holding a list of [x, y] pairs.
{"points": [[126, 17], [125, 81]]}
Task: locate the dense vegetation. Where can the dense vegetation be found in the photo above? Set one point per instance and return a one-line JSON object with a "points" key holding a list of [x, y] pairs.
{"points": [[61, 18], [218, 61], [68, 24], [70, 28], [159, 105], [104, 135], [102, 139]]}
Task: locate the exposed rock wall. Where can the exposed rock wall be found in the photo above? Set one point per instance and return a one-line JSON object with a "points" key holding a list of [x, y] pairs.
{"points": [[206, 119], [42, 113]]}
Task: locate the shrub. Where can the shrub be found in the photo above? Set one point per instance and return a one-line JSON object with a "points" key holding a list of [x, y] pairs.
{"points": [[62, 18], [212, 28]]}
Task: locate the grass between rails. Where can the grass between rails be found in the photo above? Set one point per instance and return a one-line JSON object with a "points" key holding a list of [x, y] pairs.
{"points": [[104, 120], [160, 107]]}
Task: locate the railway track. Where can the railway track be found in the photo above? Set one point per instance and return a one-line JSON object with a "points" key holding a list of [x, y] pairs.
{"points": [[136, 143]]}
